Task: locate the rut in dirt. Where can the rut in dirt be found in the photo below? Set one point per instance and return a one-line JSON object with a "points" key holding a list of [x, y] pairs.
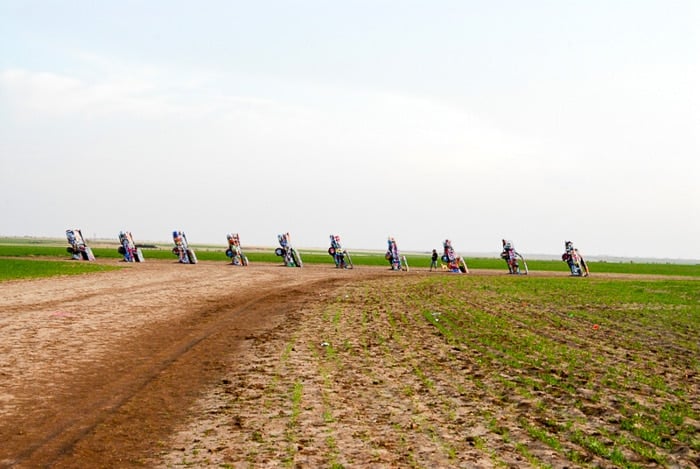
{"points": [[118, 410]]}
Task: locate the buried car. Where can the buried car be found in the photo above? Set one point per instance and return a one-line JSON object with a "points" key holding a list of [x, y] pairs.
{"points": [[78, 249], [234, 251], [513, 258], [454, 262], [289, 254], [185, 254], [341, 256], [128, 249]]}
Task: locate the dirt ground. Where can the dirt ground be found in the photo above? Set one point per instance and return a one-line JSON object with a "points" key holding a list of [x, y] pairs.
{"points": [[141, 367], [98, 370]]}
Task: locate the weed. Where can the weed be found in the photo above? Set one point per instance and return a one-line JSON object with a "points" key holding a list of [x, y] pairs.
{"points": [[542, 435]]}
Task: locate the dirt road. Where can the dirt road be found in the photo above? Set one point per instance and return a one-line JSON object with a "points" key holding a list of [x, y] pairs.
{"points": [[95, 370]]}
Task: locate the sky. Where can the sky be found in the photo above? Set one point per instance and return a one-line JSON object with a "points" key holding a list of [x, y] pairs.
{"points": [[538, 122]]}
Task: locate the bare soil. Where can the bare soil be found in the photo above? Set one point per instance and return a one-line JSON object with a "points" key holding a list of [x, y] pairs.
{"points": [[98, 370], [168, 365]]}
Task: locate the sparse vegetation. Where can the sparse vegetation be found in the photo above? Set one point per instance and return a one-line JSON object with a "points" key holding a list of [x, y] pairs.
{"points": [[472, 368]]}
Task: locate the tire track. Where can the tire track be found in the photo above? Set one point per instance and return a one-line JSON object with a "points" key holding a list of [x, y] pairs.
{"points": [[93, 424]]}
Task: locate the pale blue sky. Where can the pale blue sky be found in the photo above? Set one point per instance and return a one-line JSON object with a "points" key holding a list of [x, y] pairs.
{"points": [[537, 121]]}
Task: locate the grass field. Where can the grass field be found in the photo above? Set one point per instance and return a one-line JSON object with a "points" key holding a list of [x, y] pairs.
{"points": [[455, 370], [46, 251], [14, 269], [603, 368]]}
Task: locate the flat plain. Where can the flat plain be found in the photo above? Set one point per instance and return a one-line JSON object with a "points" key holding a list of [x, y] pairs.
{"points": [[212, 365]]}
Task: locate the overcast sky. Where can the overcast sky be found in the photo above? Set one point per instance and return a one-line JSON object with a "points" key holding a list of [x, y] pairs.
{"points": [[538, 121]]}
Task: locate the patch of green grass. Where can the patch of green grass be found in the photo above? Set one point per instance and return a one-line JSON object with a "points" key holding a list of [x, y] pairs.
{"points": [[15, 269], [296, 394], [542, 435], [292, 424], [536, 335], [33, 251]]}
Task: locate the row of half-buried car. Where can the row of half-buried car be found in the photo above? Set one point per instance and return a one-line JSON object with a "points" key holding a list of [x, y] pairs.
{"points": [[292, 258], [79, 250]]}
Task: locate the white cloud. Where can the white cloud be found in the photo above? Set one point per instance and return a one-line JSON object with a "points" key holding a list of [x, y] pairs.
{"points": [[55, 95]]}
